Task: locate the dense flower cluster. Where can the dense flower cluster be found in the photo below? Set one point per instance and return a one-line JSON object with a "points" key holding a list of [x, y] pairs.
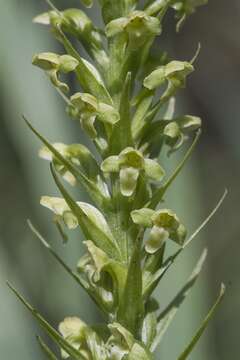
{"points": [[127, 109]]}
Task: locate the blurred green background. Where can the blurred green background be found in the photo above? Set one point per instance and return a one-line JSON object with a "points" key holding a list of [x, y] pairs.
{"points": [[213, 93]]}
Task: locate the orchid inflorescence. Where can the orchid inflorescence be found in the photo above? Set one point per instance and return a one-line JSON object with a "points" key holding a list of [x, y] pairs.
{"points": [[127, 108]]}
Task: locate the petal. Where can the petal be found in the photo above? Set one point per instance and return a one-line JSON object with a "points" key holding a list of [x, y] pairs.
{"points": [[72, 327], [157, 237], [128, 180], [110, 164], [108, 114], [43, 19], [56, 204], [154, 170], [142, 217]]}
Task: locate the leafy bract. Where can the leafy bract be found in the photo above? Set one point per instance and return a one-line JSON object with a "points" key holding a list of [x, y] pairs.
{"points": [[49, 354], [203, 326], [56, 337], [167, 316]]}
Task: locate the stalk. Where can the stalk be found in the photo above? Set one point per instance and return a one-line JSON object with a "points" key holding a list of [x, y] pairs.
{"points": [[126, 229]]}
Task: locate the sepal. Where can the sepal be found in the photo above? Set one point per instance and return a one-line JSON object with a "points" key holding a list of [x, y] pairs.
{"points": [[138, 26]]}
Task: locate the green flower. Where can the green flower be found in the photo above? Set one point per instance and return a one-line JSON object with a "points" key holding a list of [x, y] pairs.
{"points": [[74, 330], [61, 210], [63, 149], [129, 163], [174, 74], [52, 64], [72, 21], [138, 26], [177, 131], [88, 108], [163, 223], [184, 8]]}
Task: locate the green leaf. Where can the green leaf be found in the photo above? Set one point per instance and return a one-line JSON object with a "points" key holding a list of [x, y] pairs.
{"points": [[204, 325], [131, 305], [149, 325], [58, 339], [92, 222], [49, 354], [111, 10], [90, 187], [167, 316], [56, 256], [122, 135], [143, 105], [103, 264], [75, 277]]}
